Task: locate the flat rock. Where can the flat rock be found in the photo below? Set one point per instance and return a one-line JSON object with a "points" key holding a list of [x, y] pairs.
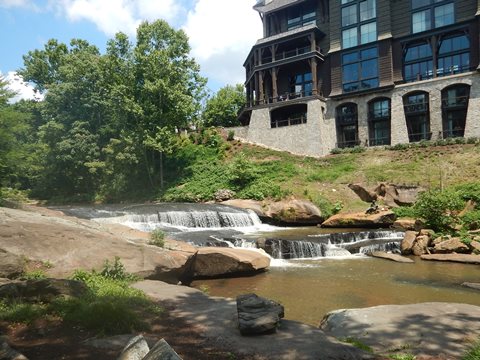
{"points": [[450, 246], [218, 262], [361, 219], [70, 243], [390, 256], [217, 317], [425, 328], [257, 315], [461, 258], [472, 285]]}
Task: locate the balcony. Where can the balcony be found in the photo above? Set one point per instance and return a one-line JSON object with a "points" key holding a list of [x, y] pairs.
{"points": [[283, 55], [281, 98], [289, 122]]}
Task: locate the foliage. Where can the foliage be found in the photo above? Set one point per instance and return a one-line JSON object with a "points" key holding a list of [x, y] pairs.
{"points": [[402, 357], [222, 109], [20, 312], [358, 344], [115, 270], [405, 212], [33, 275], [473, 353], [157, 238]]}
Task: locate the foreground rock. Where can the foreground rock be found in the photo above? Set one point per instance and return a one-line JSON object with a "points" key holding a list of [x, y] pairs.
{"points": [[42, 290], [461, 258], [390, 256], [299, 212], [69, 243], [162, 351], [423, 329], [7, 353], [11, 265], [216, 262], [217, 317], [361, 219], [136, 349], [257, 315]]}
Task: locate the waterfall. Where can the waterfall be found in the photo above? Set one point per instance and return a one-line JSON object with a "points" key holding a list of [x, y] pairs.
{"points": [[208, 219]]}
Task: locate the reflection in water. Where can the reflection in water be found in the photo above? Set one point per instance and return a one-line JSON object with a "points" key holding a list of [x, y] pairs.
{"points": [[315, 287]]}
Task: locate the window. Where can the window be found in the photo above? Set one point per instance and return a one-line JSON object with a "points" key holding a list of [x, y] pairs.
{"points": [[418, 62], [454, 110], [301, 15], [347, 125], [360, 70], [417, 116], [358, 22], [301, 85], [430, 14], [453, 55], [289, 115], [379, 122]]}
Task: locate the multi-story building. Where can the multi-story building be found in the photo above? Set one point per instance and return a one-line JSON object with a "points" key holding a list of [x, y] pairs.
{"points": [[341, 73]]}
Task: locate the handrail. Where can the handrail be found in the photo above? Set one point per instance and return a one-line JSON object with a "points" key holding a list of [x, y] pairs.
{"points": [[282, 97], [288, 122], [288, 54]]}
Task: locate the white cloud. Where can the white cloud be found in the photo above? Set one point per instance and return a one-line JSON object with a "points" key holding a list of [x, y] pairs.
{"points": [[221, 34], [22, 89], [28, 4]]}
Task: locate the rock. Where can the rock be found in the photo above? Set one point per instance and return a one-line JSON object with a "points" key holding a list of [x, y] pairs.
{"points": [[7, 353], [408, 224], [389, 256], [453, 245], [255, 206], [136, 349], [223, 195], [461, 258], [407, 243], [162, 351], [43, 290], [294, 212], [398, 195], [427, 328], [11, 265], [475, 245], [421, 244], [257, 315], [219, 262], [363, 193], [472, 285], [377, 220], [70, 243]]}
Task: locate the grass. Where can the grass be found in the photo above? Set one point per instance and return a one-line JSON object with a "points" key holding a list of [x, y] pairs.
{"points": [[157, 238], [357, 343], [473, 353]]}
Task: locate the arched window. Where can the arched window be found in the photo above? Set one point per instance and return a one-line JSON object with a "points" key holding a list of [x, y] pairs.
{"points": [[379, 122], [347, 125], [454, 110], [289, 115], [417, 116]]}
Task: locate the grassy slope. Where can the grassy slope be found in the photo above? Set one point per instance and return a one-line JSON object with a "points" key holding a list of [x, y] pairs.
{"points": [[328, 177]]}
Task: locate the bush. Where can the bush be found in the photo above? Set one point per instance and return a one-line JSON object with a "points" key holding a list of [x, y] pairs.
{"points": [[115, 271], [18, 312], [231, 135], [157, 238], [405, 211], [473, 353]]}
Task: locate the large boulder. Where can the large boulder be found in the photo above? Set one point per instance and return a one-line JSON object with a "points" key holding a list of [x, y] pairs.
{"points": [[42, 290], [363, 193], [408, 224], [453, 245], [391, 194], [426, 328], [11, 265], [257, 315], [408, 241], [380, 219], [70, 243], [136, 349], [7, 353], [420, 247], [209, 262]]}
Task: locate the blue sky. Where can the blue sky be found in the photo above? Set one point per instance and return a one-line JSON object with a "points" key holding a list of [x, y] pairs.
{"points": [[221, 32]]}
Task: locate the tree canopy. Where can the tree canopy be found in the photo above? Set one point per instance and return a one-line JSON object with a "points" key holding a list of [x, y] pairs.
{"points": [[222, 109]]}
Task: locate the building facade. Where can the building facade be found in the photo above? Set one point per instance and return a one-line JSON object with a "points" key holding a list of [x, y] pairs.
{"points": [[341, 73]]}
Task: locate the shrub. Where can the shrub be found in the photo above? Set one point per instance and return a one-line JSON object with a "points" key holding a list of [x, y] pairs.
{"points": [[231, 135], [405, 211], [157, 238], [18, 312], [115, 271], [473, 353], [33, 275]]}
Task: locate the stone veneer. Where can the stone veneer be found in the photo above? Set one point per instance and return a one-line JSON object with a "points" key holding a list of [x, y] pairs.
{"points": [[318, 136]]}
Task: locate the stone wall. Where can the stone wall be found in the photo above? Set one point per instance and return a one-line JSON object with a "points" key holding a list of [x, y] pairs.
{"points": [[318, 136]]}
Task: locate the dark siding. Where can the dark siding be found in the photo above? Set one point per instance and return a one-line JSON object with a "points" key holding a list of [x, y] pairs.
{"points": [[324, 78], [336, 73], [465, 9], [385, 70], [383, 19], [474, 39], [335, 25], [401, 17], [397, 56]]}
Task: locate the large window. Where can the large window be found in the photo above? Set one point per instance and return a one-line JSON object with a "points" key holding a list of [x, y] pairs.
{"points": [[454, 110], [360, 69], [301, 85], [417, 116], [379, 122], [453, 55], [418, 63], [347, 125], [359, 24], [301, 15], [430, 14], [288, 116]]}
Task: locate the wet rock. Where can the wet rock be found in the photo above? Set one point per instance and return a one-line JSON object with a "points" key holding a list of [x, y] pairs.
{"points": [[43, 290], [257, 315], [461, 258], [219, 262], [162, 351], [389, 256], [453, 245], [11, 265], [407, 243], [377, 220], [136, 349]]}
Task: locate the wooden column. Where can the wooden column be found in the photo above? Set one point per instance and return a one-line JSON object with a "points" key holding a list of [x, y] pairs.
{"points": [[260, 87], [313, 69], [313, 42], [273, 72], [257, 94]]}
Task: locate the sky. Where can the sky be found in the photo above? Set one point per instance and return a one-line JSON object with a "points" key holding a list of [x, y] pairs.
{"points": [[221, 32]]}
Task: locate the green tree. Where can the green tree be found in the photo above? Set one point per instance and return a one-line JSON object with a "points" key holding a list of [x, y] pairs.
{"points": [[222, 109]]}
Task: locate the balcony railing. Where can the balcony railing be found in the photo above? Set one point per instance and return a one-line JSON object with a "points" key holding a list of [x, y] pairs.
{"points": [[455, 102], [282, 97], [282, 55], [455, 133], [416, 108], [347, 119], [348, 144], [416, 137], [289, 122], [379, 141]]}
